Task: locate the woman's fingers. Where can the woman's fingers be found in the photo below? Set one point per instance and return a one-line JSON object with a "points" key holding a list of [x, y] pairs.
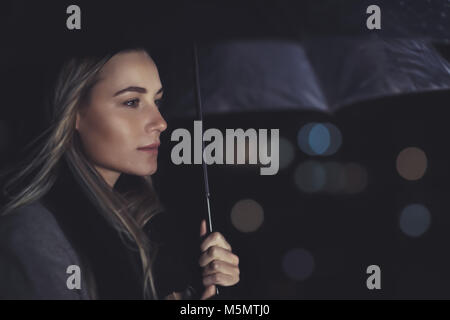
{"points": [[202, 227], [213, 239], [220, 266], [218, 253], [220, 279]]}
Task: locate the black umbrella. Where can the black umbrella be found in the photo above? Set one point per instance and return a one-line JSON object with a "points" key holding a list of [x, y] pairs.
{"points": [[321, 74]]}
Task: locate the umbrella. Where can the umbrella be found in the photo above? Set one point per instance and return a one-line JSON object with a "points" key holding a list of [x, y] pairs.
{"points": [[321, 74]]}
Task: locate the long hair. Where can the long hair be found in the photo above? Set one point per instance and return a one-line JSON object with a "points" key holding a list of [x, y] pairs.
{"points": [[127, 209]]}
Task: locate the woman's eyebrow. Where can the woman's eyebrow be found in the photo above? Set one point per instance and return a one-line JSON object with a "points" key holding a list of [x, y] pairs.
{"points": [[135, 89], [132, 89]]}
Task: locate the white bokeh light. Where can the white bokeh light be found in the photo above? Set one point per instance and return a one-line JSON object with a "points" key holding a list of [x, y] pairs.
{"points": [[412, 163], [247, 215]]}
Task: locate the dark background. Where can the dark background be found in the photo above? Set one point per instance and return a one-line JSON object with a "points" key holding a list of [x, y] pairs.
{"points": [[344, 233]]}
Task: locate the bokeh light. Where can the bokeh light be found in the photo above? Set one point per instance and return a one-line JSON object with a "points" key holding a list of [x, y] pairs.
{"points": [[412, 163], [286, 153], [331, 177], [298, 264], [319, 139], [335, 139], [303, 138], [356, 178], [247, 215], [310, 176], [415, 220], [336, 178]]}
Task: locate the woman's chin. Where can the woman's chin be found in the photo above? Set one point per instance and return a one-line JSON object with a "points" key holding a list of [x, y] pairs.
{"points": [[146, 171]]}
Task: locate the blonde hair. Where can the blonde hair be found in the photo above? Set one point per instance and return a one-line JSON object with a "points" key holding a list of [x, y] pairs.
{"points": [[126, 210]]}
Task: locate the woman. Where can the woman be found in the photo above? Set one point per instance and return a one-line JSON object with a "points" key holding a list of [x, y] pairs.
{"points": [[88, 200]]}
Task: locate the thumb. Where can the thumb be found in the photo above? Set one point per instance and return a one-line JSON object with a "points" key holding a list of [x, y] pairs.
{"points": [[203, 228]]}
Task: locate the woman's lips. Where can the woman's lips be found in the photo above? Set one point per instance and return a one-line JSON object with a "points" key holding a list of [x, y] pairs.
{"points": [[150, 148]]}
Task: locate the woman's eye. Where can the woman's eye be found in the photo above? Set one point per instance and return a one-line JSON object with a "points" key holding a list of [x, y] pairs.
{"points": [[132, 103], [159, 103]]}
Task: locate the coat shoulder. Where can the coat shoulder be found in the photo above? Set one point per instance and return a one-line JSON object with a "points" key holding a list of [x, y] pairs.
{"points": [[35, 255], [32, 225]]}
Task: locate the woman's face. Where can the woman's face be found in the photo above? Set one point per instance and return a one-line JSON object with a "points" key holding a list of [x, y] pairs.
{"points": [[121, 116]]}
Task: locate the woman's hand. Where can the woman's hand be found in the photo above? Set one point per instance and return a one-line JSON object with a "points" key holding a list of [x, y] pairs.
{"points": [[220, 265]]}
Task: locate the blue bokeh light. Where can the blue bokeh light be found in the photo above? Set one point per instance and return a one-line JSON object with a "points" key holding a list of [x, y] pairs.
{"points": [[415, 220], [319, 139]]}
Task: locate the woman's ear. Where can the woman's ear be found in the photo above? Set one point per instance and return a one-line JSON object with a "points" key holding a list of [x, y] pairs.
{"points": [[79, 117]]}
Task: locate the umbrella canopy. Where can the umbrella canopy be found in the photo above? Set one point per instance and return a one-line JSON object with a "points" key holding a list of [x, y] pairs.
{"points": [[322, 74]]}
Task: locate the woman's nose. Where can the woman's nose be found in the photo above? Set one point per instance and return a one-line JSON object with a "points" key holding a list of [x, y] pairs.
{"points": [[157, 122]]}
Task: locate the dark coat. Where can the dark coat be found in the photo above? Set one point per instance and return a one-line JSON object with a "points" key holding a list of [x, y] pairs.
{"points": [[39, 241]]}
